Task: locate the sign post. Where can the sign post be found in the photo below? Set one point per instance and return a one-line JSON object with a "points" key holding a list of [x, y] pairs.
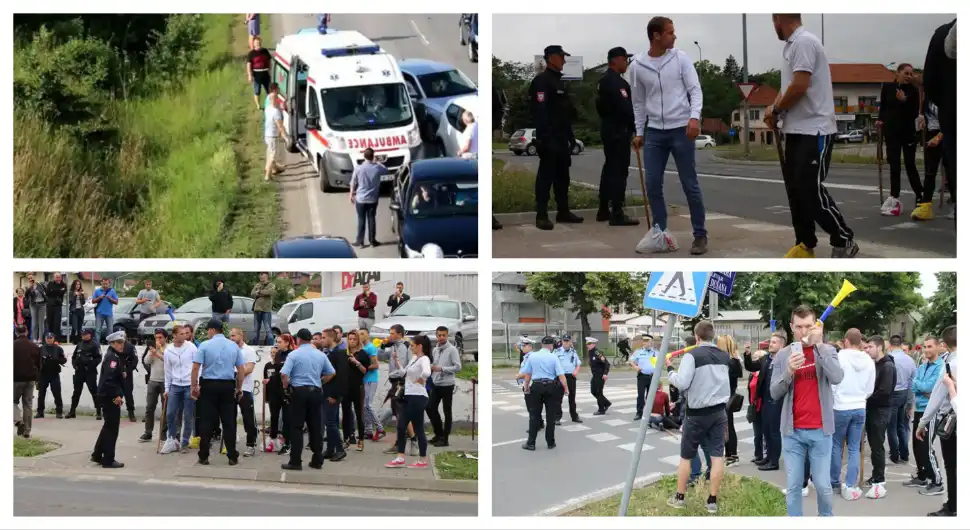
{"points": [[674, 293]]}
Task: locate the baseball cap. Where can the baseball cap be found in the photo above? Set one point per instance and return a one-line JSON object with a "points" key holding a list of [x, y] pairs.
{"points": [[554, 49], [619, 51]]}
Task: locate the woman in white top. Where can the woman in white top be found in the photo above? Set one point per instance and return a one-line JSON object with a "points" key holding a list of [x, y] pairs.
{"points": [[414, 403], [469, 137]]}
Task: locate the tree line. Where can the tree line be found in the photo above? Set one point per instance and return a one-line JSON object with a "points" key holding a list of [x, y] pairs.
{"points": [[511, 80]]}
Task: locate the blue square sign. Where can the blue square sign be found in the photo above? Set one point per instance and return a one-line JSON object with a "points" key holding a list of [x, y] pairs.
{"points": [[722, 283], [677, 293]]}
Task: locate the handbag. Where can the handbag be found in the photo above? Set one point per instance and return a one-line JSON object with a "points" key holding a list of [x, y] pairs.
{"points": [[946, 425], [735, 404], [752, 413]]}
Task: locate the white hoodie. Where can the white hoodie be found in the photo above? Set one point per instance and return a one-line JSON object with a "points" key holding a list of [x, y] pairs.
{"points": [[666, 91], [178, 364], [858, 380]]}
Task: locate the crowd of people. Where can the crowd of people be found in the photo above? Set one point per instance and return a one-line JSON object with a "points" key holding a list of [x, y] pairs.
{"points": [[811, 404], [320, 384]]}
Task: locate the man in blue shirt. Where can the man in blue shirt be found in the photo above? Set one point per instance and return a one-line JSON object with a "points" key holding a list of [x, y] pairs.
{"points": [[901, 402], [216, 361], [303, 373], [545, 381], [104, 300], [645, 361], [928, 473], [569, 360], [365, 190]]}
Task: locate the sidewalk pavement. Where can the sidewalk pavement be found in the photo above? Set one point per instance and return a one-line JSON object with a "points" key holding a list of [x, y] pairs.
{"points": [[729, 237], [900, 501], [360, 470]]}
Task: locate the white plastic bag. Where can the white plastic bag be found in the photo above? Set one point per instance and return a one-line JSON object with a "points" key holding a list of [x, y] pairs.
{"points": [[656, 241]]}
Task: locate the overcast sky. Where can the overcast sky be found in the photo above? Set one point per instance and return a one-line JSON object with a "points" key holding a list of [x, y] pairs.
{"points": [[881, 38], [929, 284]]}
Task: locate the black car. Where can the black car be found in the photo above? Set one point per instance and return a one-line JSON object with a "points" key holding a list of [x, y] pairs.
{"points": [[313, 248], [126, 318], [468, 34]]}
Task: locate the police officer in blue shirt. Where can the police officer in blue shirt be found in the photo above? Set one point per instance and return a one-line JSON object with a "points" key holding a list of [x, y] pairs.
{"points": [[216, 361], [569, 359], [305, 370], [525, 346], [644, 360], [544, 382]]}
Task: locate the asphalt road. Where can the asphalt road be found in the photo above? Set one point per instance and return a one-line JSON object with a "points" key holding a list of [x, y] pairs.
{"points": [[306, 209], [54, 496], [756, 191]]}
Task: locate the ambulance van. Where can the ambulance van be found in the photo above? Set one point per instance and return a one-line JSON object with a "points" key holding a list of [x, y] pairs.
{"points": [[343, 94]]}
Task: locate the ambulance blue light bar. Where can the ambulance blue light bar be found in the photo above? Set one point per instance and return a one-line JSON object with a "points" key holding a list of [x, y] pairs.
{"points": [[351, 50]]}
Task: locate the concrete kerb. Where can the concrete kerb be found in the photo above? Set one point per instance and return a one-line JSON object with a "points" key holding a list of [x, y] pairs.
{"points": [[326, 479], [849, 165], [599, 495], [526, 218]]}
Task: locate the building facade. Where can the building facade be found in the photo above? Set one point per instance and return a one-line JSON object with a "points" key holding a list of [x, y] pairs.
{"points": [[461, 286]]}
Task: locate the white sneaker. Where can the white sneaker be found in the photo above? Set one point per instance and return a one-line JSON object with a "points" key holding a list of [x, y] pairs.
{"points": [[851, 494], [250, 451], [892, 207], [413, 448], [784, 491], [877, 491], [170, 446]]}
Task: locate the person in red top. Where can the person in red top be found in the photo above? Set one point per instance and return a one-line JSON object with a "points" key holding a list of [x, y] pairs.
{"points": [[660, 414], [365, 304], [257, 69]]}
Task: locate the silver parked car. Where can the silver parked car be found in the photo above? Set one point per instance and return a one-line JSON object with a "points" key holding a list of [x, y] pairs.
{"points": [[125, 319], [422, 315], [523, 141], [198, 311]]}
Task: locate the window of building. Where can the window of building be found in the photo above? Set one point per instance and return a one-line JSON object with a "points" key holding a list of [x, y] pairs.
{"points": [[841, 104], [754, 114], [737, 116], [868, 104]]}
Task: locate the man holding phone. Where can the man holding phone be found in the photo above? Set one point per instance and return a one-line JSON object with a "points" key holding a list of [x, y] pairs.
{"points": [[803, 375], [365, 304], [398, 298]]}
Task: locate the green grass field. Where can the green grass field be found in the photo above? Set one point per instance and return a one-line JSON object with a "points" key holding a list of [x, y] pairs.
{"points": [[513, 190], [33, 447], [184, 181], [451, 466]]}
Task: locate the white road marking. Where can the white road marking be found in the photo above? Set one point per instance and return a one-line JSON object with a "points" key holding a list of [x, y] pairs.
{"points": [[523, 414], [829, 185], [630, 410], [713, 217], [602, 437], [630, 446], [583, 499], [616, 422], [673, 460], [497, 403], [738, 427], [575, 428], [511, 408], [510, 442], [421, 35]]}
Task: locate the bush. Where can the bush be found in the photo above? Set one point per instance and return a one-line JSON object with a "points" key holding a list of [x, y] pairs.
{"points": [[176, 54]]}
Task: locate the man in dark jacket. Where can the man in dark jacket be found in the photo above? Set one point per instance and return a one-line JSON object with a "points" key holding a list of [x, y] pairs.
{"points": [[56, 289], [129, 357], [898, 110], [85, 360], [52, 358], [334, 391], [940, 86], [878, 409], [221, 300], [398, 298], [110, 389], [615, 109], [26, 372], [770, 408], [599, 367]]}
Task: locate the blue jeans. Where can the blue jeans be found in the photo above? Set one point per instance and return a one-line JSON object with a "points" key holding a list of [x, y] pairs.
{"points": [[180, 400], [898, 431], [331, 420], [771, 429], [222, 317], [848, 429], [660, 144], [264, 319], [107, 320], [366, 217], [322, 22], [818, 448], [695, 466]]}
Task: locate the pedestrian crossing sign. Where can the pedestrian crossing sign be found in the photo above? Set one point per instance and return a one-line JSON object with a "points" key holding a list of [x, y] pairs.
{"points": [[677, 293]]}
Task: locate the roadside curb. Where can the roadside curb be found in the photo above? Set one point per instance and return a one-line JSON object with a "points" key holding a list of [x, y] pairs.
{"points": [[605, 493], [527, 218], [325, 479]]}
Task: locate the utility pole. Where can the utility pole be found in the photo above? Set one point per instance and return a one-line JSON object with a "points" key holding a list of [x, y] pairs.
{"points": [[823, 29], [744, 78]]}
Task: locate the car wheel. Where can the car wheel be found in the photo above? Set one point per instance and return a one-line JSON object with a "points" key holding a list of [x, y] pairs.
{"points": [[460, 344], [517, 153], [325, 185], [461, 35], [530, 150]]}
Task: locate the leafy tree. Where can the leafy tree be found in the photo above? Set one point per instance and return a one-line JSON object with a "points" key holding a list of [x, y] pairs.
{"points": [[180, 287], [771, 77], [732, 70], [587, 292], [941, 307]]}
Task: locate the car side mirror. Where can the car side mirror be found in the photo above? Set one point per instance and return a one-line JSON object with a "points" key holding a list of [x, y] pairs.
{"points": [[469, 318], [313, 123], [420, 111]]}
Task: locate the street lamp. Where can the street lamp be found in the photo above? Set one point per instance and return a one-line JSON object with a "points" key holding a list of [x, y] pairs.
{"points": [[700, 52]]}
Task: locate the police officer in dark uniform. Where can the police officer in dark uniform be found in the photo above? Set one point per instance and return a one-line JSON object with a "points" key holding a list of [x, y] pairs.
{"points": [[615, 108], [110, 391], [85, 360], [545, 382], [553, 114], [52, 358], [599, 366], [129, 358]]}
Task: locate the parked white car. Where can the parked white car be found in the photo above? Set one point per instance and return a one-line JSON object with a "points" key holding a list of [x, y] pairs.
{"points": [[703, 141], [318, 314], [422, 315], [451, 128]]}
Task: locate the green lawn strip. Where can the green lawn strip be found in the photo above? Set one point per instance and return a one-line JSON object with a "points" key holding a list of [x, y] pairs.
{"points": [[739, 496], [513, 190], [26, 448], [468, 371], [452, 466]]}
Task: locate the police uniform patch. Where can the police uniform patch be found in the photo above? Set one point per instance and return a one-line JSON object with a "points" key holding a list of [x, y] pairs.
{"points": [[623, 92], [540, 96], [114, 364]]}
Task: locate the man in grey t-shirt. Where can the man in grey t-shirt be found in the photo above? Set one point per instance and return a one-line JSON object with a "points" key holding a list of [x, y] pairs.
{"points": [[807, 115], [365, 191], [147, 301]]}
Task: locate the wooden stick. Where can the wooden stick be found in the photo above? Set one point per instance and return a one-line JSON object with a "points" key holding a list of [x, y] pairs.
{"points": [[879, 164], [262, 422], [161, 425], [643, 189]]}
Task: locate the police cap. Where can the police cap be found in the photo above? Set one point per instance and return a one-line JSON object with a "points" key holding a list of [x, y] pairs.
{"points": [[591, 340], [567, 337], [619, 51], [646, 336], [525, 341], [117, 336], [87, 331], [554, 49], [548, 340]]}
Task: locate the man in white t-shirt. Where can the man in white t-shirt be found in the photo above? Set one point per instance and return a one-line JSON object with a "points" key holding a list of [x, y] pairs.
{"points": [[246, 403], [273, 130], [804, 107], [469, 137]]}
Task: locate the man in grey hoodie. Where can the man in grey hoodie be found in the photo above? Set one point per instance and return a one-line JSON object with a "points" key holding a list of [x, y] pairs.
{"points": [[667, 102], [803, 374], [942, 402], [397, 354], [446, 362]]}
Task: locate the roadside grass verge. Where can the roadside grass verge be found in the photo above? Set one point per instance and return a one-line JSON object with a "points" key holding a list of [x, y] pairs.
{"points": [[468, 371], [513, 190], [25, 448], [739, 496], [170, 182], [452, 466]]}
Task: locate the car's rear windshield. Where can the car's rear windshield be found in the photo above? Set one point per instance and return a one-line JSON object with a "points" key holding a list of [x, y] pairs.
{"points": [[520, 132]]}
